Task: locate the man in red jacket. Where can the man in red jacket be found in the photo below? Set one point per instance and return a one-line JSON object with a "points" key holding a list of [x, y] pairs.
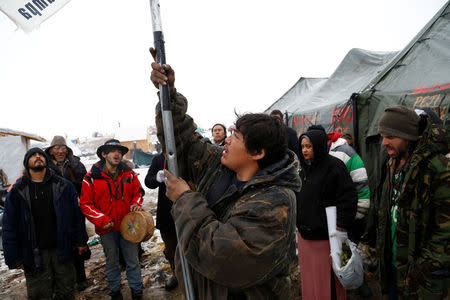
{"points": [[110, 191]]}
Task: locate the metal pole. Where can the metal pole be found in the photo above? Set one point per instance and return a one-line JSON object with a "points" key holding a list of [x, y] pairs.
{"points": [[171, 151]]}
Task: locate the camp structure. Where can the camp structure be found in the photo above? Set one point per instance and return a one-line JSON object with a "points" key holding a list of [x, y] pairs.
{"points": [[139, 140], [298, 93], [325, 101], [418, 77], [365, 83], [13, 146]]}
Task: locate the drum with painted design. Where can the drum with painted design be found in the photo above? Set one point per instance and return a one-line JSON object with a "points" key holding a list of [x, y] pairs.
{"points": [[137, 226]]}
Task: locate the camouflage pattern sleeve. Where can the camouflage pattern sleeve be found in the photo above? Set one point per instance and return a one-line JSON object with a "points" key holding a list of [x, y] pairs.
{"points": [[243, 250], [425, 233], [435, 259], [193, 153]]}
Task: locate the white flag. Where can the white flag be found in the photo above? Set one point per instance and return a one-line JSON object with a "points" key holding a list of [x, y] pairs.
{"points": [[29, 14]]}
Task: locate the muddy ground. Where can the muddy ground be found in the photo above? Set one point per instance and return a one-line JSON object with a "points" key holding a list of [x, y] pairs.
{"points": [[155, 270]]}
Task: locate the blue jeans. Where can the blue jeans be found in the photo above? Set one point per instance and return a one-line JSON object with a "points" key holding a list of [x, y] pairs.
{"points": [[111, 242]]}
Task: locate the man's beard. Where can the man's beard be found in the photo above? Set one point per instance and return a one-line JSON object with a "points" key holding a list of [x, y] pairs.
{"points": [[401, 153], [404, 150], [37, 168], [112, 163]]}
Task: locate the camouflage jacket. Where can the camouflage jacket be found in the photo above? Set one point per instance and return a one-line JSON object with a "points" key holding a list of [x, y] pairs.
{"points": [[423, 220], [235, 239]]}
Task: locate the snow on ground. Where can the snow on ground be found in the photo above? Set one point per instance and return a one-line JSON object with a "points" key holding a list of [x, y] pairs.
{"points": [[142, 172]]}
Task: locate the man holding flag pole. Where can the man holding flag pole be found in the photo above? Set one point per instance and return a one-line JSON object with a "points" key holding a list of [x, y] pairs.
{"points": [[236, 218], [234, 209]]}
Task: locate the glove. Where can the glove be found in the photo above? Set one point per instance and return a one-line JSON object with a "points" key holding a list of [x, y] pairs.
{"points": [[337, 237], [160, 177]]}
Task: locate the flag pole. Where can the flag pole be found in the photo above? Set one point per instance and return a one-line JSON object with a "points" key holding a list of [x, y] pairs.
{"points": [[171, 151]]}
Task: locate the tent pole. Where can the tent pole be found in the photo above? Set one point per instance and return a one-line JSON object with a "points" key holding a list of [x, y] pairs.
{"points": [[355, 122]]}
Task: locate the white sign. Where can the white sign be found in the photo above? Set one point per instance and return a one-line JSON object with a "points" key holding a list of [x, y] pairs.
{"points": [[29, 14]]}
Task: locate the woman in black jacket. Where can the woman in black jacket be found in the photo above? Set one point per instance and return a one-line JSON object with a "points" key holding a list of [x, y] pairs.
{"points": [[326, 208]]}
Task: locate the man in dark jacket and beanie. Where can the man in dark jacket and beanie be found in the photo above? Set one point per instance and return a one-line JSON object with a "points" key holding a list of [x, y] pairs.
{"points": [[69, 166], [42, 224], [110, 191], [236, 218], [164, 220], [412, 207]]}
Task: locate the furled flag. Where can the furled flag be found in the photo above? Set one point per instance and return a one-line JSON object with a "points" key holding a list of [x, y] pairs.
{"points": [[29, 14]]}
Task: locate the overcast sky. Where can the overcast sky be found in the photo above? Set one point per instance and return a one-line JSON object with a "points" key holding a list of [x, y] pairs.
{"points": [[87, 68]]}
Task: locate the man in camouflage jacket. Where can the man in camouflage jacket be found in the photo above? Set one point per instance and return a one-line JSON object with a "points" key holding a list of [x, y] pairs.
{"points": [[413, 225], [234, 228]]}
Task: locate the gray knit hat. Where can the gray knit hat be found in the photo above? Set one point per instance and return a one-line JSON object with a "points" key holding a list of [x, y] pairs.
{"points": [[400, 121], [58, 140]]}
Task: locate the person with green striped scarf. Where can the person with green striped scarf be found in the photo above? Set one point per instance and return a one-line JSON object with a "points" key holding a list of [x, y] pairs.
{"points": [[339, 148]]}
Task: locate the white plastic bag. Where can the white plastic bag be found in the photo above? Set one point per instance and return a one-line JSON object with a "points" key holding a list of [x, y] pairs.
{"points": [[351, 275]]}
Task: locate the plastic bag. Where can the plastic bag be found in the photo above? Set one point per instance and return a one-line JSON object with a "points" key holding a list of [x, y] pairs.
{"points": [[351, 275]]}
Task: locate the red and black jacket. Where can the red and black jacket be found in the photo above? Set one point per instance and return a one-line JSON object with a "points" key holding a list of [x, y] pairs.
{"points": [[104, 200]]}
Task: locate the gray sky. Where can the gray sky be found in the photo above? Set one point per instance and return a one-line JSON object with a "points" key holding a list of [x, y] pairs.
{"points": [[87, 68]]}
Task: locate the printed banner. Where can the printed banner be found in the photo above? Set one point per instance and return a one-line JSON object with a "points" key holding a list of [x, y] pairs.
{"points": [[29, 14]]}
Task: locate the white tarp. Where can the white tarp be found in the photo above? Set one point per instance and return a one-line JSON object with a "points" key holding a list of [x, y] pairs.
{"points": [[29, 14], [12, 152]]}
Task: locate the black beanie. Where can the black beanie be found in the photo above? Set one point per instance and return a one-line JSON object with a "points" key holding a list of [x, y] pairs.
{"points": [[400, 121], [30, 153]]}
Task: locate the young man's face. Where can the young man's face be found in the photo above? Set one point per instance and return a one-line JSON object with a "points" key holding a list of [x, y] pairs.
{"points": [[59, 152], [218, 133], [307, 149], [395, 146], [113, 158], [235, 155], [37, 162]]}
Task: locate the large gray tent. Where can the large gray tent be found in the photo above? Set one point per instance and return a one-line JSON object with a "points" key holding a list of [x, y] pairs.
{"points": [[298, 93], [365, 83], [418, 77], [324, 100]]}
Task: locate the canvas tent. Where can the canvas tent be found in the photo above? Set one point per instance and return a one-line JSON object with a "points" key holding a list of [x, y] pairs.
{"points": [[365, 83], [290, 100], [13, 146], [325, 101], [418, 77]]}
